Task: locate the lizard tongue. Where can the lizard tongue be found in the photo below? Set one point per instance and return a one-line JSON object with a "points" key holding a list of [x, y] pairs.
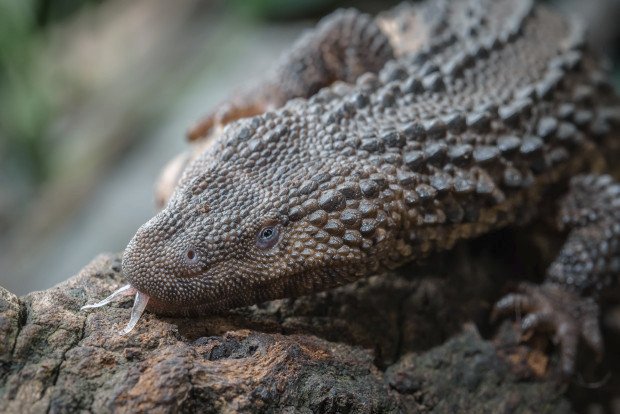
{"points": [[120, 292], [139, 304]]}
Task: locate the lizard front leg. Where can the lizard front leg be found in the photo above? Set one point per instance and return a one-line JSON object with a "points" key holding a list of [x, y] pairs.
{"points": [[588, 263], [345, 45]]}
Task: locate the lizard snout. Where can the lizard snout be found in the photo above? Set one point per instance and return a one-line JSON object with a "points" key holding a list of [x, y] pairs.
{"points": [[143, 256]]}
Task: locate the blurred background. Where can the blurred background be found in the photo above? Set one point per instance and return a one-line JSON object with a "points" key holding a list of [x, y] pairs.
{"points": [[96, 96]]}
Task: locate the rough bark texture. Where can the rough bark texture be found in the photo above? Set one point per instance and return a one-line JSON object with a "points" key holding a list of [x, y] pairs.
{"points": [[405, 341]]}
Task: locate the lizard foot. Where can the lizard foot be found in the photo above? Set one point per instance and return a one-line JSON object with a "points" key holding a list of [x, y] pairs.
{"points": [[550, 307]]}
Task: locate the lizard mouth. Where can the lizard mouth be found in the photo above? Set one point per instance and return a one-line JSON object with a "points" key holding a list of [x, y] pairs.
{"points": [[139, 304]]}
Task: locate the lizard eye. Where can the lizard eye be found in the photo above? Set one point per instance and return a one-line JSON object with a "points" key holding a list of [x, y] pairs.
{"points": [[267, 237], [191, 256]]}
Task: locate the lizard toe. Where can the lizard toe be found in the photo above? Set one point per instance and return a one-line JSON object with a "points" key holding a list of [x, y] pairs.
{"points": [[512, 302]]}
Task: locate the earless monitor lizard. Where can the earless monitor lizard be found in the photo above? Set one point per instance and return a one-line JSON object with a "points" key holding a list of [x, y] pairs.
{"points": [[377, 141]]}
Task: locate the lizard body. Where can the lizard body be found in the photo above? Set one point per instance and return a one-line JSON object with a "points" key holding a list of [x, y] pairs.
{"points": [[379, 141]]}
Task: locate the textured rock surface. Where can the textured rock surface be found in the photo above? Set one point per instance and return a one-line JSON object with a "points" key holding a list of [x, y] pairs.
{"points": [[399, 342]]}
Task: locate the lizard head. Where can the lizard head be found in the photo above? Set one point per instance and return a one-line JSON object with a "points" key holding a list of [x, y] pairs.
{"points": [[210, 249], [232, 236]]}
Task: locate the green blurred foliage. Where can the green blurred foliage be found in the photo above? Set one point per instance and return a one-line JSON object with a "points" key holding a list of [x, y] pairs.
{"points": [[50, 11], [24, 94], [280, 9], [29, 88]]}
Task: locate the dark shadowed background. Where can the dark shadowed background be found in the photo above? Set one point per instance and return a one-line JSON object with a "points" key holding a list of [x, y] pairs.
{"points": [[95, 97]]}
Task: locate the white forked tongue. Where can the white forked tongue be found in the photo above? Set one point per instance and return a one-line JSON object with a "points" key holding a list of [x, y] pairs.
{"points": [[139, 304], [118, 293]]}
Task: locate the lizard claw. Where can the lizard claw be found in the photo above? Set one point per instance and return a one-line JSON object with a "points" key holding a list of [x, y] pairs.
{"points": [[513, 301], [552, 308], [537, 321]]}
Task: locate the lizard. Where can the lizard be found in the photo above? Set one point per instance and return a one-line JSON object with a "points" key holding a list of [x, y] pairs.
{"points": [[376, 141]]}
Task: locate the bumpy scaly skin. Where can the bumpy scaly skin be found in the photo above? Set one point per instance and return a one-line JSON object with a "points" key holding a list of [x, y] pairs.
{"points": [[466, 131]]}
